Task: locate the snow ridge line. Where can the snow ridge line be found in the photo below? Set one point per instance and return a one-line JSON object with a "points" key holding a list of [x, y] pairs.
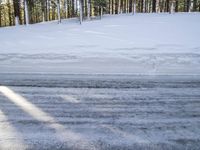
{"points": [[100, 81]]}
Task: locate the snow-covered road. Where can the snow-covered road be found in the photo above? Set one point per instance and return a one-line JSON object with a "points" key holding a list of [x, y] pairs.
{"points": [[99, 112]]}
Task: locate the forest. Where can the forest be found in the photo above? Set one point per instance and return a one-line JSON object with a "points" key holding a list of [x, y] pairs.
{"points": [[15, 12]]}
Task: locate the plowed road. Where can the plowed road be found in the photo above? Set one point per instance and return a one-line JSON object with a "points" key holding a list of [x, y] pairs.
{"points": [[99, 112]]}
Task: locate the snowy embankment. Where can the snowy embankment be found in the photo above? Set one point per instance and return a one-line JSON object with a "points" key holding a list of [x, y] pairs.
{"points": [[148, 44]]}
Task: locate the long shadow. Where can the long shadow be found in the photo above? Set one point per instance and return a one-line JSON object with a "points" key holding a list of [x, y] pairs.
{"points": [[117, 134], [18, 120], [39, 122], [69, 102], [9, 137]]}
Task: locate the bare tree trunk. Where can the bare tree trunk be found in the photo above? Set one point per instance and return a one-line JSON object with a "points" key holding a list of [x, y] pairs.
{"points": [[58, 11], [148, 6], [119, 6], [9, 12], [81, 11], [113, 6], [101, 12], [191, 6], [110, 6], [126, 6], [144, 6], [171, 7], [157, 6], [134, 6], [66, 8], [92, 8], [26, 12], [47, 10], [88, 9], [162, 8]]}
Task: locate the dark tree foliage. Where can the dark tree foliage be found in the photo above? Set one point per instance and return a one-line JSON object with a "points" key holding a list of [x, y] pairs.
{"points": [[47, 10], [101, 3]]}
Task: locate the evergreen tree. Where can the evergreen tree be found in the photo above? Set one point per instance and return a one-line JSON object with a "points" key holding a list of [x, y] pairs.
{"points": [[14, 12]]}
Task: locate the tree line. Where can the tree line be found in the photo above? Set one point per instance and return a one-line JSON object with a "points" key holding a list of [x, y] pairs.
{"points": [[19, 12]]}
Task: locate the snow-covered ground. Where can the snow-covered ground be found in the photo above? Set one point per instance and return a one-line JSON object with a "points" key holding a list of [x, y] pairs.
{"points": [[124, 82], [100, 112], [141, 44]]}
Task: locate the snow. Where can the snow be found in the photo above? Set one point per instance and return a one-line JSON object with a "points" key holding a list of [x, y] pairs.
{"points": [[148, 44], [122, 82], [144, 112]]}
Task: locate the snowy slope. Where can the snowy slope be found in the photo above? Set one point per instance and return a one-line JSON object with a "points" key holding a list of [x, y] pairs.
{"points": [[150, 44]]}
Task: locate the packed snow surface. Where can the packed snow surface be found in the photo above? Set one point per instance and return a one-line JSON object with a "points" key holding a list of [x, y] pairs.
{"points": [[93, 112], [122, 44]]}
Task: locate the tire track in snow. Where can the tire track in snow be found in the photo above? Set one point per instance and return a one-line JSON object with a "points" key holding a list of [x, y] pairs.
{"points": [[152, 113]]}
